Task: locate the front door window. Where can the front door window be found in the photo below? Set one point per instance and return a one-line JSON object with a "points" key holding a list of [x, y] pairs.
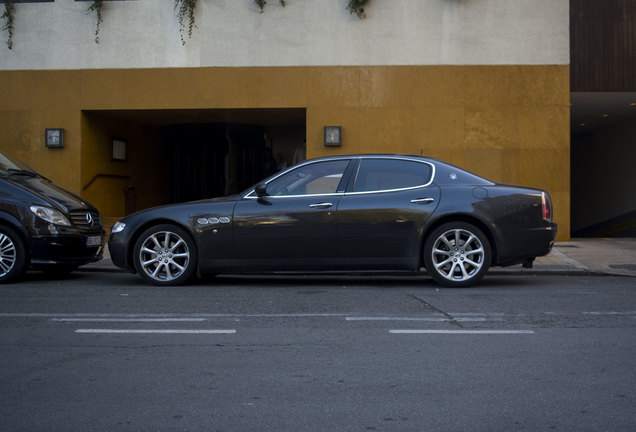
{"points": [[314, 179]]}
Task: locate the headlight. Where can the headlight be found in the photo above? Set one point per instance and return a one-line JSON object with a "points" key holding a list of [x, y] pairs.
{"points": [[118, 227], [50, 215]]}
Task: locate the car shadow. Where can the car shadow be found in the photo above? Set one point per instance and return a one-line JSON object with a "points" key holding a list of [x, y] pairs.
{"points": [[388, 281], [295, 281]]}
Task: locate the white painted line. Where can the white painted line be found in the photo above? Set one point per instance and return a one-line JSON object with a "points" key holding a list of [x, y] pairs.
{"points": [[477, 314], [425, 319], [153, 331], [128, 319], [609, 313], [465, 332], [388, 318], [173, 315]]}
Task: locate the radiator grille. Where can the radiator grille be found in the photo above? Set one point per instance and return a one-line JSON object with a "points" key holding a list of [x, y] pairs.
{"points": [[80, 219]]}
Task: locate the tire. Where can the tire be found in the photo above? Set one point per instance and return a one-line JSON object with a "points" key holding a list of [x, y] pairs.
{"points": [[13, 255], [165, 255], [457, 255]]}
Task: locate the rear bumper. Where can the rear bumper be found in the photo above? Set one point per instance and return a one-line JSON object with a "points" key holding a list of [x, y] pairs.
{"points": [[544, 239], [527, 246]]}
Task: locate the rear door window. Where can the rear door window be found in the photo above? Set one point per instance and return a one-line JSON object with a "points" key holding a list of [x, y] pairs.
{"points": [[389, 174]]}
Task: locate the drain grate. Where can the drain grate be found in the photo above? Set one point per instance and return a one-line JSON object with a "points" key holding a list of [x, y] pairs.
{"points": [[623, 266]]}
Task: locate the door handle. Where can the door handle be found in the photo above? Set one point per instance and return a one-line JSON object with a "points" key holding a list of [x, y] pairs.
{"points": [[422, 200], [321, 205]]}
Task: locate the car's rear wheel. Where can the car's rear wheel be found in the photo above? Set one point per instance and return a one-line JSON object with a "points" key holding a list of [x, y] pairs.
{"points": [[457, 254], [13, 255], [165, 255]]}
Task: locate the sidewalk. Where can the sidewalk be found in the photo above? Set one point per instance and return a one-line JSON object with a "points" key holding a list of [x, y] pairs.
{"points": [[580, 256], [595, 256]]}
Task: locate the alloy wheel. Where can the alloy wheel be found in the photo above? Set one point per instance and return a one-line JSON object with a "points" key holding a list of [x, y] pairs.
{"points": [[164, 256], [458, 255], [8, 255]]}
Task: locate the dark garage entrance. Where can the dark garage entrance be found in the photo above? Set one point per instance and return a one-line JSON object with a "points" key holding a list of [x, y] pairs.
{"points": [[210, 158], [184, 155], [216, 159], [603, 132]]}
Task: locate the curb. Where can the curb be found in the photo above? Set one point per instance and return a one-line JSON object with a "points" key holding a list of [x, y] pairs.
{"points": [[538, 272]]}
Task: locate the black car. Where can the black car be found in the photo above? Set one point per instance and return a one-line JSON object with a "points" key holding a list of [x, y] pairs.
{"points": [[344, 213], [43, 225]]}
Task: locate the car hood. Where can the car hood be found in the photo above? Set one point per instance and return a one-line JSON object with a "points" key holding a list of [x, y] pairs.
{"points": [[49, 192], [184, 205], [183, 212]]}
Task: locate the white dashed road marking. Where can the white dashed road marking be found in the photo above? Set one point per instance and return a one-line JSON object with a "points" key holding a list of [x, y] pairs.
{"points": [[152, 331], [463, 332], [129, 319]]}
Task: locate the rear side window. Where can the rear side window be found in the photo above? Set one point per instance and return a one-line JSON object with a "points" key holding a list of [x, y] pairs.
{"points": [[388, 174]]}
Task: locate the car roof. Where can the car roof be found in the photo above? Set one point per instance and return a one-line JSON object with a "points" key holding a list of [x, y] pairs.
{"points": [[377, 155], [445, 168]]}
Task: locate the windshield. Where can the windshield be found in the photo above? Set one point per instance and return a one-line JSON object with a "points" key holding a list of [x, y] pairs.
{"points": [[9, 165]]}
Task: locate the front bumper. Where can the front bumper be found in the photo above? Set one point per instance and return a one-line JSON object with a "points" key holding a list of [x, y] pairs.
{"points": [[75, 249], [118, 252]]}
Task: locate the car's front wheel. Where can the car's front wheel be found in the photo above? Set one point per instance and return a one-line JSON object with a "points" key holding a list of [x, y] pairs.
{"points": [[165, 255], [13, 255], [457, 254]]}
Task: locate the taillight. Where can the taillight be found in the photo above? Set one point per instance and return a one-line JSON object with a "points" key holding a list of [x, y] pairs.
{"points": [[547, 206]]}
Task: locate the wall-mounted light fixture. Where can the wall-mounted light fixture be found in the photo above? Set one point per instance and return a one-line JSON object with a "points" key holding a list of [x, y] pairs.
{"points": [[54, 137], [120, 149], [333, 136]]}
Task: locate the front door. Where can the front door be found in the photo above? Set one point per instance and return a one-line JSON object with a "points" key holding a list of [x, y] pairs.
{"points": [[294, 224]]}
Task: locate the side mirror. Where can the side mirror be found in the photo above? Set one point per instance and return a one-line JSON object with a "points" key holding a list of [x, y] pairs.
{"points": [[261, 190]]}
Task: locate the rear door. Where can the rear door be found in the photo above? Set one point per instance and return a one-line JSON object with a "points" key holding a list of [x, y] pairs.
{"points": [[382, 214]]}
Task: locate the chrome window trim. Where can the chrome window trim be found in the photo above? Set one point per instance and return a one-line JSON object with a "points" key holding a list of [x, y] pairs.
{"points": [[398, 189], [350, 158], [335, 194], [386, 190], [309, 162]]}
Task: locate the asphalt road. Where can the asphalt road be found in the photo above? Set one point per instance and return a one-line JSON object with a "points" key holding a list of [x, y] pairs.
{"points": [[103, 352]]}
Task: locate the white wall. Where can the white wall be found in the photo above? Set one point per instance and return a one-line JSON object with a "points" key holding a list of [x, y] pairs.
{"points": [[145, 34]]}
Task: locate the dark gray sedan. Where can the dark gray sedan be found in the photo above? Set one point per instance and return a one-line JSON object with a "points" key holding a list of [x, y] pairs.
{"points": [[344, 213]]}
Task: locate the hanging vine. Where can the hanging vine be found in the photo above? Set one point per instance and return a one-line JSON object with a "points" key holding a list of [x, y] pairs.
{"points": [[261, 4], [97, 7], [185, 13], [8, 14], [357, 7]]}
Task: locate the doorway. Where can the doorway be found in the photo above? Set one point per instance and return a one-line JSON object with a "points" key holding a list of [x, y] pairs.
{"points": [[221, 159], [185, 155]]}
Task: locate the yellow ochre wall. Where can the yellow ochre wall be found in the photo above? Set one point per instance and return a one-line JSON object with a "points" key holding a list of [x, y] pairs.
{"points": [[507, 123], [144, 167]]}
